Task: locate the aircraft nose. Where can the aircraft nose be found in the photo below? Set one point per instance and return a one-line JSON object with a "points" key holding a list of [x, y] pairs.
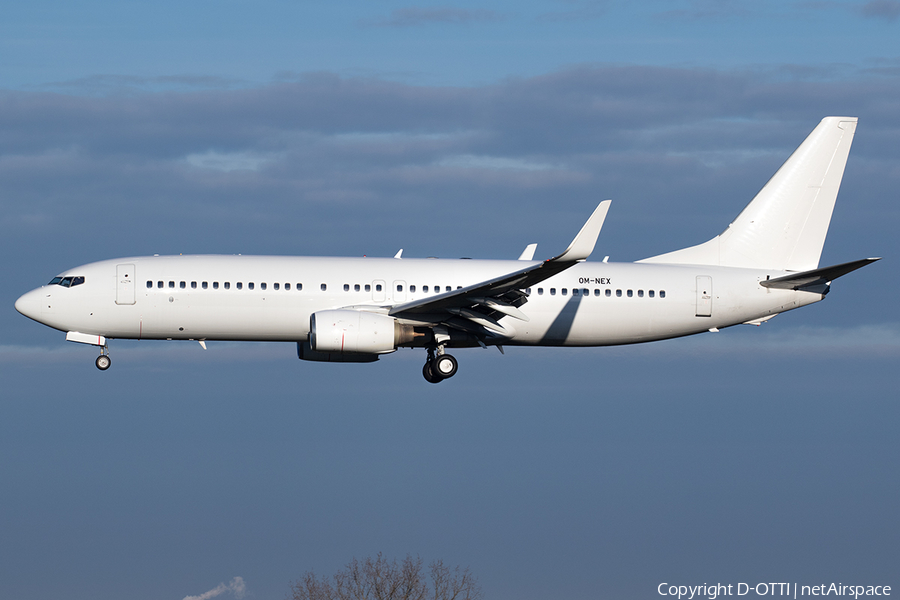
{"points": [[29, 304]]}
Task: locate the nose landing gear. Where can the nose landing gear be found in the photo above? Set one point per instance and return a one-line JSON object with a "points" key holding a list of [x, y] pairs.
{"points": [[439, 366], [103, 361]]}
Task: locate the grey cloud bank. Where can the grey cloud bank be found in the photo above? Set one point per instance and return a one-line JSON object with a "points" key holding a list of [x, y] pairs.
{"points": [[641, 135]]}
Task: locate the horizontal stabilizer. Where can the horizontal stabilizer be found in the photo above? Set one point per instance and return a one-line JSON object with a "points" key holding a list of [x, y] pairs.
{"points": [[816, 277]]}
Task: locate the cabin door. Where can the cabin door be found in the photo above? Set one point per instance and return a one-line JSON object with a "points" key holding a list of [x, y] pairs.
{"points": [[124, 284], [704, 296]]}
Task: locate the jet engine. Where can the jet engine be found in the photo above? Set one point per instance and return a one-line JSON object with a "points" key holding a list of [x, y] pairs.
{"points": [[356, 332]]}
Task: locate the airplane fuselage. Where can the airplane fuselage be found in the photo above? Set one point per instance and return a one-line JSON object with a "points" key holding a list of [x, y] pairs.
{"points": [[271, 298]]}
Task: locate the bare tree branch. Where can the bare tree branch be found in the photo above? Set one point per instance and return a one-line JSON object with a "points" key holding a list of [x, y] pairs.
{"points": [[380, 579]]}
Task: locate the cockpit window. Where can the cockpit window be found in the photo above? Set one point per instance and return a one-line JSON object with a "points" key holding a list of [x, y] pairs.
{"points": [[66, 281]]}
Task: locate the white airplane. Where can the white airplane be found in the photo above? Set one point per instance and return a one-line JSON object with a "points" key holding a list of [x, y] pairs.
{"points": [[355, 309]]}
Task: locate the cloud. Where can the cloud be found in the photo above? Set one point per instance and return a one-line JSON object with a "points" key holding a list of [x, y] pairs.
{"points": [[228, 161], [353, 165], [105, 84], [417, 17], [888, 10], [870, 340], [470, 161], [236, 587]]}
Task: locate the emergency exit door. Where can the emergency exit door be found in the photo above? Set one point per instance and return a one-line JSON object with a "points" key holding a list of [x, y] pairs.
{"points": [[704, 296], [124, 284]]}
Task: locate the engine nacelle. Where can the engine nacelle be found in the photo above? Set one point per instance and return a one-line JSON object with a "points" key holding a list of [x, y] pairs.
{"points": [[356, 332]]}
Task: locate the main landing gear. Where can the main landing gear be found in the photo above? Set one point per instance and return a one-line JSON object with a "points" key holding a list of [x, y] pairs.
{"points": [[103, 361], [439, 366]]}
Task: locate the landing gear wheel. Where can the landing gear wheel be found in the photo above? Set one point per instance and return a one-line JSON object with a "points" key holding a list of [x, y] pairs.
{"points": [[103, 362], [444, 366], [429, 374]]}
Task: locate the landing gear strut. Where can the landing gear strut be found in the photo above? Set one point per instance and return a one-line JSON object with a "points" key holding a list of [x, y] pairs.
{"points": [[103, 361], [439, 366]]}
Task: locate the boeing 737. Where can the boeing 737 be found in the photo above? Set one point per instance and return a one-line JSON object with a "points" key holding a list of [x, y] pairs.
{"points": [[356, 309]]}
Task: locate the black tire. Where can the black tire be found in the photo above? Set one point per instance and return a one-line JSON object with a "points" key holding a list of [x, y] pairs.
{"points": [[444, 366], [103, 362], [428, 374]]}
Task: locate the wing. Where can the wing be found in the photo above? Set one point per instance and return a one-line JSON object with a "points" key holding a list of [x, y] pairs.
{"points": [[477, 308]]}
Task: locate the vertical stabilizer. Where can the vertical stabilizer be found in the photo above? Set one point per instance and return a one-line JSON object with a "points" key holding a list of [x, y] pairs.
{"points": [[784, 227]]}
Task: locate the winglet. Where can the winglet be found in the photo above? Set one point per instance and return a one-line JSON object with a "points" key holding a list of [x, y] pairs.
{"points": [[583, 244]]}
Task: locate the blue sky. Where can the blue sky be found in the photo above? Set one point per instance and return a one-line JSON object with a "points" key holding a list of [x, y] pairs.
{"points": [[447, 129]]}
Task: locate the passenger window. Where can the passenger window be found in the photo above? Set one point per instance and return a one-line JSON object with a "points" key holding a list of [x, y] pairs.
{"points": [[574, 292], [412, 289], [425, 288], [630, 293], [597, 292], [299, 287], [459, 287], [355, 287], [368, 288], [193, 285], [250, 285], [565, 291], [215, 285], [149, 284], [159, 284], [205, 285], [377, 287], [662, 293], [447, 288], [586, 292], [552, 291], [323, 287], [618, 293], [182, 285], [399, 288], [651, 293], [275, 286], [540, 291], [640, 293], [172, 285], [346, 287], [227, 285], [240, 285], [528, 291], [287, 286]]}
